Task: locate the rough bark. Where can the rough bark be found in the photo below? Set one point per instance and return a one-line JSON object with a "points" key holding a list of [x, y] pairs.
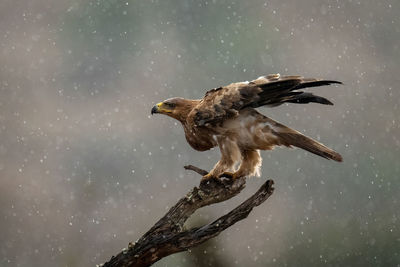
{"points": [[169, 235]]}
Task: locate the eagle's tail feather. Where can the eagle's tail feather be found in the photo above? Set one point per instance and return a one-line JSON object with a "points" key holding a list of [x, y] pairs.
{"points": [[299, 140]]}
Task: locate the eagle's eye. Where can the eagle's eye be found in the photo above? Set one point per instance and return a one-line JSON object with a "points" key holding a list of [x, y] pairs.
{"points": [[169, 104]]}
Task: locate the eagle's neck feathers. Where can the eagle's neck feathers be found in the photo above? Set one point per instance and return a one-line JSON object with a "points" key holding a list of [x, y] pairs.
{"points": [[182, 111]]}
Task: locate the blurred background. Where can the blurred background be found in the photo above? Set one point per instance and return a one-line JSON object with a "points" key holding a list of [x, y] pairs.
{"points": [[85, 169]]}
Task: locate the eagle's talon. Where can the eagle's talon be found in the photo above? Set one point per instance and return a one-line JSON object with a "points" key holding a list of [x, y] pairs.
{"points": [[229, 175], [209, 178], [226, 175]]}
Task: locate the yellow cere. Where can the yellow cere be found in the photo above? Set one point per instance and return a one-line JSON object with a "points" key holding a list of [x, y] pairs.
{"points": [[160, 108]]}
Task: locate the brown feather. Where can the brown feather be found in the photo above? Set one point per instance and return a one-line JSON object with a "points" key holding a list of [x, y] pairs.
{"points": [[299, 140]]}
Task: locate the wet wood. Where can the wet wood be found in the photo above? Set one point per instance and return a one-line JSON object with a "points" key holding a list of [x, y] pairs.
{"points": [[169, 235]]}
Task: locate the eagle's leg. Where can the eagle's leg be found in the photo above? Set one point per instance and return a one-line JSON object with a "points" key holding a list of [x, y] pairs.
{"points": [[223, 164], [250, 166], [208, 177], [230, 154]]}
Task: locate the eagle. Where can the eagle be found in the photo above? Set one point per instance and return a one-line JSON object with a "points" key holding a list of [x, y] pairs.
{"points": [[227, 117]]}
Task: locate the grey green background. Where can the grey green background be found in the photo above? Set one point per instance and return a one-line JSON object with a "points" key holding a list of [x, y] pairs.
{"points": [[85, 169]]}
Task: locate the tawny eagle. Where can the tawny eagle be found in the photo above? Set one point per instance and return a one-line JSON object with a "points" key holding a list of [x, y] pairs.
{"points": [[226, 117]]}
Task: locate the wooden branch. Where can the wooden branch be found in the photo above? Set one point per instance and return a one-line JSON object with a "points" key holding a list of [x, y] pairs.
{"points": [[169, 235], [195, 169]]}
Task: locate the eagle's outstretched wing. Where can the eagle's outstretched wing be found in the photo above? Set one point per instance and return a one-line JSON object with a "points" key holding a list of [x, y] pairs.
{"points": [[272, 90]]}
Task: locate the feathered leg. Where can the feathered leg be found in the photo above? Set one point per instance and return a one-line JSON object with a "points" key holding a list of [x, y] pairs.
{"points": [[230, 155], [250, 166]]}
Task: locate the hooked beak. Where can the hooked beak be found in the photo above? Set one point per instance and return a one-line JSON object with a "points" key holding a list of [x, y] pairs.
{"points": [[156, 109]]}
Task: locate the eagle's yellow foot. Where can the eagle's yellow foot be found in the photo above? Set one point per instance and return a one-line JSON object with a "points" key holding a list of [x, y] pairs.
{"points": [[230, 175], [208, 178]]}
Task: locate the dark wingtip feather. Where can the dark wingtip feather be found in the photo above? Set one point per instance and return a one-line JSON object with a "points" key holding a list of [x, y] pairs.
{"points": [[286, 89], [305, 98], [333, 82], [306, 83], [325, 101]]}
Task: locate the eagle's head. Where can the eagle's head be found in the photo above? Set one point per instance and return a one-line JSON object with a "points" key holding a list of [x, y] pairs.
{"points": [[176, 107]]}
